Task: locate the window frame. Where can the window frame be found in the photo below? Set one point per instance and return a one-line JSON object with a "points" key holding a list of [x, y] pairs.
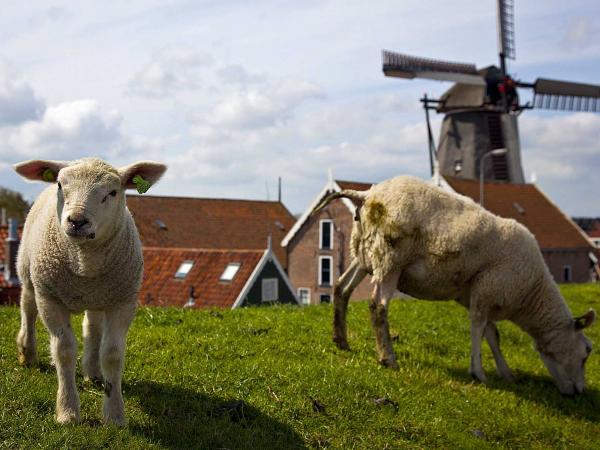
{"points": [[320, 270], [307, 290], [321, 223], [237, 265], [184, 274], [262, 290]]}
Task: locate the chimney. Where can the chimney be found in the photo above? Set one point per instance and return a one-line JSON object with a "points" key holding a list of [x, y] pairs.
{"points": [[279, 190], [3, 219], [11, 247]]}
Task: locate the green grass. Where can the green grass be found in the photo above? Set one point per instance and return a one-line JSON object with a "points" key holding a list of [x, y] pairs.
{"points": [[185, 369]]}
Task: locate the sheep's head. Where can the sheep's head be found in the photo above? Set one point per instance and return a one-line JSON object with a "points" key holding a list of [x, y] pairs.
{"points": [[565, 355], [90, 194]]}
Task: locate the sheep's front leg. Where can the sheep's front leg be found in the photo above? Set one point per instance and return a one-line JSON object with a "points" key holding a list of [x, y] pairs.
{"points": [[92, 337], [26, 342], [493, 338], [63, 347], [341, 294], [112, 358], [382, 294], [478, 326]]}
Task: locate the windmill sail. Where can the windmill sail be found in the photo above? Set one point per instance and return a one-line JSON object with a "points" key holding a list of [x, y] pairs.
{"points": [[506, 29], [566, 95], [405, 66]]}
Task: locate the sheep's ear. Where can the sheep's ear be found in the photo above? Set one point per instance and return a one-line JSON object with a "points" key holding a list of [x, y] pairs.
{"points": [[149, 172], [40, 170], [586, 320]]}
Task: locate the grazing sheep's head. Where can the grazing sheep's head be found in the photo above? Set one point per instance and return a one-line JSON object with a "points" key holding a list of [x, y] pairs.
{"points": [[90, 194], [566, 354]]}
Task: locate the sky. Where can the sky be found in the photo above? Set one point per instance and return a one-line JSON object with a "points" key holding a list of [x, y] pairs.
{"points": [[233, 94]]}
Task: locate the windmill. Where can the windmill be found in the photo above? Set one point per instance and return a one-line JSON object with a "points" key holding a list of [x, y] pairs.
{"points": [[481, 108]]}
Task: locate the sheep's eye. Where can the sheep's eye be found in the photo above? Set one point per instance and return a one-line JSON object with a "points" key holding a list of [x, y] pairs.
{"points": [[113, 193], [59, 185]]}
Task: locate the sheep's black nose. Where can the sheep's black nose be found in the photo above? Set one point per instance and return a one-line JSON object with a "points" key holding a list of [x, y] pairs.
{"points": [[77, 222]]}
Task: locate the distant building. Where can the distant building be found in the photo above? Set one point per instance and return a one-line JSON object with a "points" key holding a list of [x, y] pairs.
{"points": [[318, 247], [567, 251], [10, 287], [193, 278], [591, 226], [210, 223]]}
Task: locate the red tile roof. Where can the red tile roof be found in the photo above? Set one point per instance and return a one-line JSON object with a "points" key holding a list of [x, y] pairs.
{"points": [[354, 185], [528, 205], [211, 223], [161, 288]]}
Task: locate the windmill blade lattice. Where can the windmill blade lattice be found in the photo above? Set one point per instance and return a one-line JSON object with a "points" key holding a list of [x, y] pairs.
{"points": [[506, 29], [566, 95], [405, 66]]}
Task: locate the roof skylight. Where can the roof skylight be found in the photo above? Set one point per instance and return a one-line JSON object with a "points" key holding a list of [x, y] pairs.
{"points": [[230, 271], [184, 268]]}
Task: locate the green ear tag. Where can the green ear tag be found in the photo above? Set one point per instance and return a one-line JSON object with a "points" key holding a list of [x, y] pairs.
{"points": [[48, 175], [141, 184]]}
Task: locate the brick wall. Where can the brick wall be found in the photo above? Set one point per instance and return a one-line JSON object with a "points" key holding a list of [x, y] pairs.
{"points": [[304, 252], [577, 259]]}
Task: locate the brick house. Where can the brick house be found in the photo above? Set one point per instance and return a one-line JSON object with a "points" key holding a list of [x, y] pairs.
{"points": [[194, 278], [567, 251], [208, 223], [10, 288], [318, 247]]}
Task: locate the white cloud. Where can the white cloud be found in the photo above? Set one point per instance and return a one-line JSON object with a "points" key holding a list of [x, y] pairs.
{"points": [[263, 106], [170, 71], [18, 102], [68, 130]]}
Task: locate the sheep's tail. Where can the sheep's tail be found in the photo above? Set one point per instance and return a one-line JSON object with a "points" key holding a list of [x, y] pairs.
{"points": [[357, 197]]}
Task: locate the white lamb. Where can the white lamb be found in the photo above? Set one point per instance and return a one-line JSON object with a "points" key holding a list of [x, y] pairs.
{"points": [[81, 251], [432, 244]]}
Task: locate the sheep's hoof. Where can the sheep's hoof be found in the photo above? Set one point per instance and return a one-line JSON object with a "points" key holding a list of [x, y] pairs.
{"points": [[66, 417], [117, 421], [341, 343], [27, 359], [508, 377], [478, 376], [390, 363]]}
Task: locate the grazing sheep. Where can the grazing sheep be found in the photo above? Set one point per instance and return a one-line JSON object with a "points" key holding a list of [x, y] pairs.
{"points": [[432, 244], [80, 251]]}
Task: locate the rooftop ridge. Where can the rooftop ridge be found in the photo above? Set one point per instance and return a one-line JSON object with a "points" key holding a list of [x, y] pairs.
{"points": [[204, 198]]}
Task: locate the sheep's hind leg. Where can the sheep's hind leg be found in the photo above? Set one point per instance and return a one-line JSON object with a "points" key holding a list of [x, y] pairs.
{"points": [[92, 337], [341, 294], [493, 338], [478, 326], [382, 294], [112, 358], [63, 347], [26, 340]]}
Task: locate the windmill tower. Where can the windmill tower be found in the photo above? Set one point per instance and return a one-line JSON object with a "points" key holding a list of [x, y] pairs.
{"points": [[481, 108]]}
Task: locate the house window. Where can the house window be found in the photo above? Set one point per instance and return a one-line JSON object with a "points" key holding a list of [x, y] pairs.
{"points": [[567, 274], [230, 271], [325, 265], [269, 290], [326, 235], [325, 298], [184, 269], [304, 296]]}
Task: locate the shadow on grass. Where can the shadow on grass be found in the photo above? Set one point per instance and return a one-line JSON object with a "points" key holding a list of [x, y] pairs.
{"points": [[182, 418], [541, 390]]}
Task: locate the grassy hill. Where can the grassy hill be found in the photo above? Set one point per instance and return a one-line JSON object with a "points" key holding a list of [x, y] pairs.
{"points": [[271, 378]]}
